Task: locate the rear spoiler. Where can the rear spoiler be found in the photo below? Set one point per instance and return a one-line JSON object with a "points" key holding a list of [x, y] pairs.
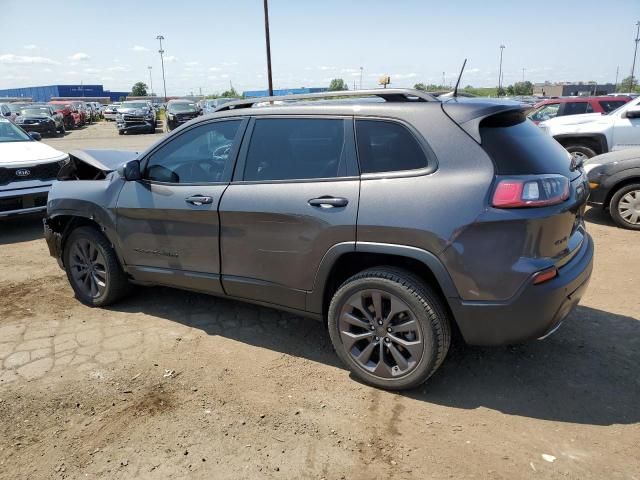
{"points": [[469, 112]]}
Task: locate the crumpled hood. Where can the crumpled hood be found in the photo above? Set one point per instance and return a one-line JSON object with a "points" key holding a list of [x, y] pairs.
{"points": [[105, 160]]}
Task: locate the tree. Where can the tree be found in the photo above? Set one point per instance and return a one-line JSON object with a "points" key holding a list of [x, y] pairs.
{"points": [[139, 90], [625, 85], [420, 86], [338, 85], [231, 93], [523, 88]]}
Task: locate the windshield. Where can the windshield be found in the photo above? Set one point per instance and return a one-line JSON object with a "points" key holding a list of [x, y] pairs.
{"points": [[60, 106], [133, 105], [37, 111], [632, 103], [182, 107], [11, 133]]}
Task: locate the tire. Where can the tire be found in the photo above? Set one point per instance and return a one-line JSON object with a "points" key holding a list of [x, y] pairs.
{"points": [[120, 132], [624, 207], [421, 322], [581, 151], [62, 130], [109, 282]]}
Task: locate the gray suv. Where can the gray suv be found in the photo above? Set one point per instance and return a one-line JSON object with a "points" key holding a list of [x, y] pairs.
{"points": [[390, 215]]}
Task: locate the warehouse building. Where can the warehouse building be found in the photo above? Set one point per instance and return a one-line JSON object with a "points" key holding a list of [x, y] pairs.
{"points": [[283, 91], [46, 93], [548, 89]]}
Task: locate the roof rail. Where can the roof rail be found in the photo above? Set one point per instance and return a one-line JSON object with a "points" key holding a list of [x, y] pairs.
{"points": [[388, 94]]}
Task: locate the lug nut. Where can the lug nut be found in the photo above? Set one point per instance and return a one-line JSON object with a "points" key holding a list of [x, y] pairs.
{"points": [[386, 339], [377, 338], [372, 327], [389, 329], [379, 322]]}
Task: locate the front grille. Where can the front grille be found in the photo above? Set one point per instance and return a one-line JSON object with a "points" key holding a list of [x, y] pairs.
{"points": [[186, 117], [133, 118], [23, 202], [44, 171]]}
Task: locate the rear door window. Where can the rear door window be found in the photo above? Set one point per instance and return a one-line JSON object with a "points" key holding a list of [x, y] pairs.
{"points": [[296, 149], [611, 105], [385, 146], [575, 108], [546, 112]]}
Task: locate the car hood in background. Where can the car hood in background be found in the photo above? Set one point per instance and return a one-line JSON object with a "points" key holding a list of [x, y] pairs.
{"points": [[27, 153], [577, 119], [615, 157], [105, 160]]}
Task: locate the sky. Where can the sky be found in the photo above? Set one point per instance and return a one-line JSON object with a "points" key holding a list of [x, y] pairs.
{"points": [[209, 44]]}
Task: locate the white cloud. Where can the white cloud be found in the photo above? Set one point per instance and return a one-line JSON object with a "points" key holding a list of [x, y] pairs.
{"points": [[325, 68], [91, 70], [214, 69], [30, 47], [118, 68], [139, 48], [473, 70], [12, 59], [79, 57], [402, 76], [170, 59], [192, 64]]}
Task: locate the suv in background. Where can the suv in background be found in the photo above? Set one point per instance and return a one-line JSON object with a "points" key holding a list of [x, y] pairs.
{"points": [[559, 107], [179, 112], [588, 135], [136, 116], [70, 116], [6, 112], [391, 220]]}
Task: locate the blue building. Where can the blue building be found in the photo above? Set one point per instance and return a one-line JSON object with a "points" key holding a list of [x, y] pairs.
{"points": [[45, 93], [282, 91]]}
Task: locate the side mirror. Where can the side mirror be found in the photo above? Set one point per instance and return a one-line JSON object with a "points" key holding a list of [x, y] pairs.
{"points": [[35, 136], [130, 171], [632, 113]]}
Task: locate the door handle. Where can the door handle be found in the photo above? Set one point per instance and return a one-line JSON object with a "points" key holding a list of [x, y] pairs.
{"points": [[199, 200], [328, 202]]}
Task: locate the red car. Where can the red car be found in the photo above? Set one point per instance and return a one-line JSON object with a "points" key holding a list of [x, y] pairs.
{"points": [[71, 116], [558, 107]]}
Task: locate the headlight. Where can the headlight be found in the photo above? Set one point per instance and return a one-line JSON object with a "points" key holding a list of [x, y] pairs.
{"points": [[170, 116]]}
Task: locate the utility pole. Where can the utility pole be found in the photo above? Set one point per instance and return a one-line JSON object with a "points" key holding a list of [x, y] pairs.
{"points": [[268, 41], [443, 81], [161, 52], [150, 79], [502, 47], [635, 52], [361, 70], [523, 69], [616, 84]]}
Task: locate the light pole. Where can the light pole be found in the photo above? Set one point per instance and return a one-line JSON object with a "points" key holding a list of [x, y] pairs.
{"points": [[361, 70], [635, 52], [150, 79], [443, 81], [523, 69], [268, 41], [161, 52], [502, 47], [615, 86]]}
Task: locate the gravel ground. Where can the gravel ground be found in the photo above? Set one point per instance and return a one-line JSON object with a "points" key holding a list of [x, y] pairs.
{"points": [[171, 384]]}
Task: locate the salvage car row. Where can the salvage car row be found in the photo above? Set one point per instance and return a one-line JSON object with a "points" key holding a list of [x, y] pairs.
{"points": [[51, 118]]}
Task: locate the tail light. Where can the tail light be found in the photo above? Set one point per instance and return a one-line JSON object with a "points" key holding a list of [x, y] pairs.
{"points": [[530, 191]]}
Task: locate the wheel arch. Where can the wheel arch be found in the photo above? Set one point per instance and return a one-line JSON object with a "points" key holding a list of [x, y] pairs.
{"points": [[625, 178], [346, 259], [596, 141]]}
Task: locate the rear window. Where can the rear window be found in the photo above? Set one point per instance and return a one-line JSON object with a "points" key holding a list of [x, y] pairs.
{"points": [[576, 108], [387, 147], [518, 147], [611, 105]]}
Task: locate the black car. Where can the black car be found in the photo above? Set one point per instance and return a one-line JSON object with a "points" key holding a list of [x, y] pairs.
{"points": [[179, 112], [614, 180], [42, 119]]}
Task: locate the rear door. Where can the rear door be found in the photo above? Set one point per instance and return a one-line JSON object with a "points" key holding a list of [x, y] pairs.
{"points": [[168, 221], [295, 194]]}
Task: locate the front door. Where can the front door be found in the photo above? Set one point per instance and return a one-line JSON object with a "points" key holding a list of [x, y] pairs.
{"points": [[626, 132], [294, 195], [168, 222]]}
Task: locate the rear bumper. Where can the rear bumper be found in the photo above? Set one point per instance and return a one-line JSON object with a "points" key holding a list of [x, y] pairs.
{"points": [[534, 312]]}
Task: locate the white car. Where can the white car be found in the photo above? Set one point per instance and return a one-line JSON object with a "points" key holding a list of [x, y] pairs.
{"points": [[585, 136], [28, 168]]}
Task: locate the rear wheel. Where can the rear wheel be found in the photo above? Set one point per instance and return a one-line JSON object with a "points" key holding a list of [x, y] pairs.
{"points": [[625, 207], [580, 152], [389, 328], [93, 269], [62, 130]]}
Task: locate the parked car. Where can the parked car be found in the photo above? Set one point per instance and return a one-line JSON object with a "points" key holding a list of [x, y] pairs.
{"points": [[41, 119], [71, 116], [209, 105], [266, 204], [614, 179], [559, 107], [179, 112], [136, 116], [110, 111], [27, 170], [79, 108], [6, 112], [591, 134]]}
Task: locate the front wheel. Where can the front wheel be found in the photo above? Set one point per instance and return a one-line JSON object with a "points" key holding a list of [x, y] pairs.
{"points": [[93, 269], [390, 328], [625, 207]]}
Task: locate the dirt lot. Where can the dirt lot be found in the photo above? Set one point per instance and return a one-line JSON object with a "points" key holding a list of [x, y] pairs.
{"points": [[171, 384]]}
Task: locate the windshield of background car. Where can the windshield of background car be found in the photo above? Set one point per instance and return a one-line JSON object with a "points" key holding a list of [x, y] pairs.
{"points": [[134, 105], [34, 112], [182, 107], [546, 112], [632, 103], [11, 133], [60, 106]]}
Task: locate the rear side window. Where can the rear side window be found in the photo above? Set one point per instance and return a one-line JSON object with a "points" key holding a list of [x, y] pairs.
{"points": [[296, 149], [575, 108], [387, 147], [518, 147], [611, 105]]}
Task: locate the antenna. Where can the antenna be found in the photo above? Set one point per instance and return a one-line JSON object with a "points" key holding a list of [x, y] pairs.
{"points": [[455, 90]]}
